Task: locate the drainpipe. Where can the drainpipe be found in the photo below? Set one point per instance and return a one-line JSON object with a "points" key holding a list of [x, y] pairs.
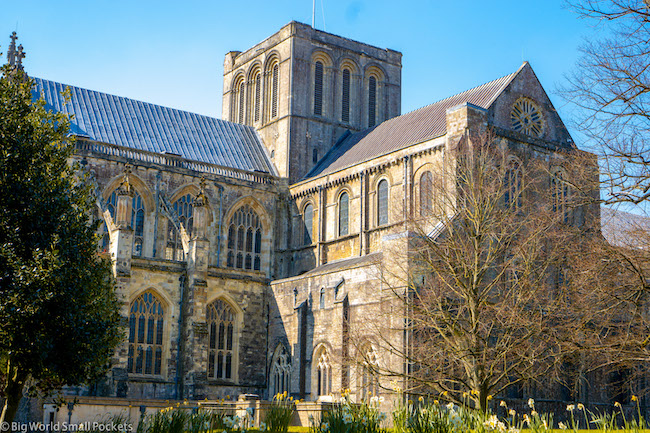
{"points": [[178, 391], [220, 222]]}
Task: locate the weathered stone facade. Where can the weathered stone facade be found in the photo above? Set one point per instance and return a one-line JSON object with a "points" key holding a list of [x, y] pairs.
{"points": [[260, 283]]}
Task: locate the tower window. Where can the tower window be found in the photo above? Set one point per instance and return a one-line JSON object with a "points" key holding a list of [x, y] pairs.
{"points": [[314, 156], [242, 96], [345, 97], [274, 91], [309, 224], [258, 96], [372, 101], [318, 89]]}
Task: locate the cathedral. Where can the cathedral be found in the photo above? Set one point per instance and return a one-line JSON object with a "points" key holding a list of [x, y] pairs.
{"points": [[245, 248]]}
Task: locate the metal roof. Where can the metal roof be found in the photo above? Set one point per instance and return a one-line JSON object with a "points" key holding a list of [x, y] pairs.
{"points": [[402, 131], [139, 125]]}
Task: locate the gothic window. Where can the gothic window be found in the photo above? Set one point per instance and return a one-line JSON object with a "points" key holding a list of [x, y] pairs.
{"points": [[426, 193], [220, 318], [240, 107], [308, 216], [137, 222], [512, 194], [322, 298], [345, 97], [318, 88], [244, 240], [382, 202], [372, 101], [257, 80], [344, 204], [323, 374], [560, 196], [183, 208], [274, 90], [314, 156], [146, 327], [281, 371], [368, 381]]}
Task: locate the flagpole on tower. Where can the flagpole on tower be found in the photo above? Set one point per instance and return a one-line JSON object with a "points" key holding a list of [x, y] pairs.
{"points": [[313, 14]]}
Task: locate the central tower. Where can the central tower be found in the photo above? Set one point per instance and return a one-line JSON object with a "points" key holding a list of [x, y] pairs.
{"points": [[302, 88]]}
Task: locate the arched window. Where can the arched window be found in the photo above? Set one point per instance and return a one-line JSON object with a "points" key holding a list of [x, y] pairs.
{"points": [[321, 304], [281, 371], [323, 374], [345, 96], [318, 88], [382, 202], [137, 222], [308, 216], [344, 204], [146, 328], [242, 99], [244, 240], [368, 381], [560, 196], [426, 193], [183, 208], [257, 82], [274, 90], [222, 332], [512, 184], [372, 101]]}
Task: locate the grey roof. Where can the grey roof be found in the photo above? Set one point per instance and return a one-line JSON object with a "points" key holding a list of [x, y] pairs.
{"points": [[624, 229], [139, 125], [339, 265], [410, 128]]}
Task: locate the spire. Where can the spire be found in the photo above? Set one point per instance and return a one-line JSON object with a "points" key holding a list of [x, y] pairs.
{"points": [[15, 55]]}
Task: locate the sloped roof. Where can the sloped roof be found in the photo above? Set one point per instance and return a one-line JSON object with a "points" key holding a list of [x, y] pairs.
{"points": [[410, 128], [139, 125], [624, 229]]}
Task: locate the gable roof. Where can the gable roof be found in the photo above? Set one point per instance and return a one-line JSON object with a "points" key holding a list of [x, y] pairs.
{"points": [[143, 126], [411, 128]]}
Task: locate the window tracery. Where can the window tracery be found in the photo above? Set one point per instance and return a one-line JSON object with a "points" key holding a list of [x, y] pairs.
{"points": [[146, 328], [220, 318], [244, 243], [183, 207], [137, 222]]}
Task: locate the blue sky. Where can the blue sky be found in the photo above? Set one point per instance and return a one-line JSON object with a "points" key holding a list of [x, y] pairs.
{"points": [[171, 52]]}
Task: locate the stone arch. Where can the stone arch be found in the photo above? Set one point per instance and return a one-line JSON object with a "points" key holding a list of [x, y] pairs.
{"points": [[302, 222], [149, 321], [322, 371], [224, 319], [280, 371], [138, 184], [259, 245], [381, 211], [271, 84], [255, 93], [374, 98], [321, 84], [367, 365], [340, 231], [347, 91], [238, 97]]}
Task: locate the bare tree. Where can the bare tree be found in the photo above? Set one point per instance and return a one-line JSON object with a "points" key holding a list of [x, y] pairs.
{"points": [[479, 278], [611, 89]]}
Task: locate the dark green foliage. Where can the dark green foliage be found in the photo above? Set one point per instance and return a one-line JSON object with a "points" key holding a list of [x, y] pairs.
{"points": [[59, 320]]}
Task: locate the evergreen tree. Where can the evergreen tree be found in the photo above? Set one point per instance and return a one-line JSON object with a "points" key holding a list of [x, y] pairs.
{"points": [[59, 317]]}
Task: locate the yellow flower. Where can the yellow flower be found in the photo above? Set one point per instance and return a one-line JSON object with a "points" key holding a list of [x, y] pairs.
{"points": [[635, 398], [420, 399], [445, 393], [464, 395], [617, 404], [489, 397], [581, 406], [474, 392], [436, 402], [512, 412], [503, 404]]}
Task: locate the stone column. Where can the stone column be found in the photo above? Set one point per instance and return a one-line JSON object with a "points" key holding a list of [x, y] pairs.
{"points": [[195, 328], [121, 245]]}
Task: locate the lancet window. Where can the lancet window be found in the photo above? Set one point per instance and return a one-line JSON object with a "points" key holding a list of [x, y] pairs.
{"points": [[146, 328], [244, 240]]}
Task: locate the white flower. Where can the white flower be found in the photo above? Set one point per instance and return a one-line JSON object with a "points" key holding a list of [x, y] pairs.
{"points": [[491, 422], [534, 413], [326, 426], [262, 426], [512, 412], [450, 406], [531, 403], [562, 426], [571, 407], [581, 406], [503, 404]]}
